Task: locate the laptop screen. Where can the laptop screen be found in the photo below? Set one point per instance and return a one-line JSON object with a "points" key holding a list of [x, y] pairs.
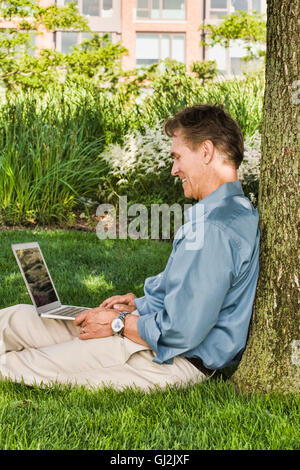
{"points": [[37, 276]]}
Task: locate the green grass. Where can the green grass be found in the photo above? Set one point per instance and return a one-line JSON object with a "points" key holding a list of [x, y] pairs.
{"points": [[207, 416], [212, 415], [85, 270]]}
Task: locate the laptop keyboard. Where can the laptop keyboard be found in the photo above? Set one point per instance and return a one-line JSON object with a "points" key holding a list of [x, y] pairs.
{"points": [[70, 311]]}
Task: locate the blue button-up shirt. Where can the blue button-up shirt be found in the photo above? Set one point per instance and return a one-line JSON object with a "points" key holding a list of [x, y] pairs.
{"points": [[201, 304]]}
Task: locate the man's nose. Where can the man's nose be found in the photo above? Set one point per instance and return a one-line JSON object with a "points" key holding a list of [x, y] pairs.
{"points": [[174, 170]]}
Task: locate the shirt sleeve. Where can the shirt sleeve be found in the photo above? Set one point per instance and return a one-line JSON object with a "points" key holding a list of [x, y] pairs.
{"points": [[196, 285]]}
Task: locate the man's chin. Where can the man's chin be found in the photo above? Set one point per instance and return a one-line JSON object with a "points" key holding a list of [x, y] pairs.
{"points": [[187, 193]]}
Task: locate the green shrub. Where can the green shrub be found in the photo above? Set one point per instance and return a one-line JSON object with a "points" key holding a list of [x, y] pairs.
{"points": [[140, 169], [58, 148], [49, 158], [173, 91], [205, 70]]}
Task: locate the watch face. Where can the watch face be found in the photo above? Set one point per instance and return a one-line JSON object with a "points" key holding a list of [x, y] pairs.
{"points": [[117, 325]]}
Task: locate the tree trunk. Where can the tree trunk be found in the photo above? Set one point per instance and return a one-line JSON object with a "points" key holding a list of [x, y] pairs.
{"points": [[271, 360]]}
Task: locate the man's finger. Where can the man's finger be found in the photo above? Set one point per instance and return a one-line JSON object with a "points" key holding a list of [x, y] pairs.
{"points": [[111, 301], [107, 301], [80, 318], [124, 307], [115, 299], [122, 299], [84, 335]]}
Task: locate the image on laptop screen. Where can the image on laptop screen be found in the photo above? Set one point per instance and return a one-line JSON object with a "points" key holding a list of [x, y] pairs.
{"points": [[37, 276]]}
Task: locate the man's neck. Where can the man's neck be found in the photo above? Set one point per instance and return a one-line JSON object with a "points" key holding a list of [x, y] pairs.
{"points": [[217, 181]]}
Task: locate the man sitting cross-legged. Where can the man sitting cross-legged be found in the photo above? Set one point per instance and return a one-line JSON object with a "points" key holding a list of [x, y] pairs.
{"points": [[193, 317]]}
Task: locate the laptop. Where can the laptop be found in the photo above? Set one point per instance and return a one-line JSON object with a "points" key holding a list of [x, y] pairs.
{"points": [[40, 285]]}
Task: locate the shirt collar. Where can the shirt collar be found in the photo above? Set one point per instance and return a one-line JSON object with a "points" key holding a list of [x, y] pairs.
{"points": [[233, 188]]}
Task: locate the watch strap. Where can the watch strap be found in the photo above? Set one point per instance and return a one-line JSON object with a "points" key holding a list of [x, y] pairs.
{"points": [[122, 316]]}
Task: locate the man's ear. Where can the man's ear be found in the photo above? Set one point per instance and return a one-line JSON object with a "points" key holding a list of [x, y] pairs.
{"points": [[208, 150]]}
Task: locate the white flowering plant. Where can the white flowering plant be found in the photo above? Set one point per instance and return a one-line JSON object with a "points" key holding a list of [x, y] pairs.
{"points": [[141, 169], [249, 170]]}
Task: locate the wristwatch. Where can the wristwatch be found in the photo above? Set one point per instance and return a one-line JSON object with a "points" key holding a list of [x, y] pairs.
{"points": [[118, 323]]}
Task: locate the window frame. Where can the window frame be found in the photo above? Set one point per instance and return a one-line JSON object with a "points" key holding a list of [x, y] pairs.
{"points": [[80, 34], [80, 7], [161, 9], [160, 34], [228, 9], [20, 48], [227, 51]]}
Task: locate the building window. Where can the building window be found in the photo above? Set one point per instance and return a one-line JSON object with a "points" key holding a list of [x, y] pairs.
{"points": [[219, 54], [239, 5], [99, 8], [33, 44], [257, 6], [160, 9], [219, 8], [67, 39], [107, 8], [29, 48], [91, 7], [236, 53], [230, 60], [150, 48]]}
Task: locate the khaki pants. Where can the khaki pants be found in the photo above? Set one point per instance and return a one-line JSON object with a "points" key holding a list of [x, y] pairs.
{"points": [[44, 351]]}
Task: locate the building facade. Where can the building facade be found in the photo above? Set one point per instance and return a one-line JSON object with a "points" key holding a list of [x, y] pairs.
{"points": [[104, 17], [156, 29]]}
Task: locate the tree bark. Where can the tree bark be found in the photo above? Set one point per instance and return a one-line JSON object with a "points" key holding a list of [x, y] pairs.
{"points": [[271, 360]]}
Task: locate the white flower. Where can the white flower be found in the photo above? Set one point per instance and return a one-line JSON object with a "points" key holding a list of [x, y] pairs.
{"points": [[149, 153], [250, 165], [143, 153]]}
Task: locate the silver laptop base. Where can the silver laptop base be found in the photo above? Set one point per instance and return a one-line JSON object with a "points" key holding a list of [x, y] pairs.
{"points": [[64, 313]]}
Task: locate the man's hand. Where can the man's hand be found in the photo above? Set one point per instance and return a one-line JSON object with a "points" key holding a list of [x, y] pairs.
{"points": [[95, 323], [124, 300]]}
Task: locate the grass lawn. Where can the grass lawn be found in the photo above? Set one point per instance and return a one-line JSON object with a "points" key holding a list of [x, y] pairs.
{"points": [[212, 415]]}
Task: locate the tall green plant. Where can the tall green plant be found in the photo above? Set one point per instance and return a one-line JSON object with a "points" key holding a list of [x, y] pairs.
{"points": [[242, 98], [51, 144], [48, 160]]}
